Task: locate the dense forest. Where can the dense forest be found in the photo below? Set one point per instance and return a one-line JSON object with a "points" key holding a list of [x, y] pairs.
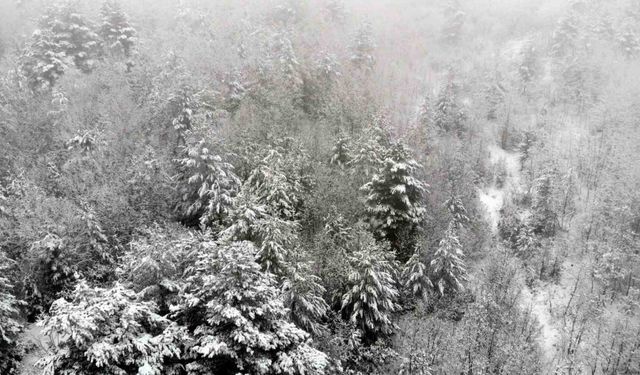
{"points": [[319, 187]]}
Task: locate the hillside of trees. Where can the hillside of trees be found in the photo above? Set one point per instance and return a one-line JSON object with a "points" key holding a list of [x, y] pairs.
{"points": [[311, 187]]}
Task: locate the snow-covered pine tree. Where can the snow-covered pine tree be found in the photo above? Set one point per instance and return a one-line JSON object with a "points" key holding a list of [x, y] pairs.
{"points": [[528, 63], [371, 149], [271, 185], [287, 60], [425, 113], [544, 219], [362, 48], [458, 212], [564, 36], [448, 114], [526, 242], [64, 37], [448, 267], [494, 95], [255, 222], [10, 325], [72, 33], [206, 185], [415, 277], [43, 61], [106, 331], [183, 107], [116, 31], [341, 153], [303, 296], [239, 320], [394, 196], [372, 294]]}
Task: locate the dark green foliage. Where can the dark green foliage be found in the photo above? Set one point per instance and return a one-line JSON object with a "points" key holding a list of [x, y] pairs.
{"points": [[303, 296], [372, 294], [415, 277], [10, 326], [238, 319], [394, 197], [544, 219], [206, 185]]}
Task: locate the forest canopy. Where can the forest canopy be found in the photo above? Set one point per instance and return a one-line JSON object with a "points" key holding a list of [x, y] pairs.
{"points": [[319, 187]]}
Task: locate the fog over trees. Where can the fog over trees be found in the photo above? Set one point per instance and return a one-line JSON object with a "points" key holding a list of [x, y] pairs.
{"points": [[319, 187]]}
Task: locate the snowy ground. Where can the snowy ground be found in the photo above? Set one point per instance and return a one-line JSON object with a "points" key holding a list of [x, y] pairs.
{"points": [[494, 197], [34, 338]]}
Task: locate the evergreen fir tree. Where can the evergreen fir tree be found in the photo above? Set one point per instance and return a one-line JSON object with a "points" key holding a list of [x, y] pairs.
{"points": [[255, 222], [106, 331], [526, 242], [458, 212], [43, 62], [544, 219], [363, 48], [425, 112], [239, 319], [371, 298], [116, 31], [341, 153], [448, 266], [287, 61], [10, 325], [415, 277], [303, 297], [371, 149], [495, 95], [206, 185], [63, 38], [274, 188], [528, 63], [393, 196], [448, 115], [564, 36], [73, 34]]}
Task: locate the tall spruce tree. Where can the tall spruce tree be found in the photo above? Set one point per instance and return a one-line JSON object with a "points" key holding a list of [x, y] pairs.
{"points": [[394, 197], [303, 296], [206, 185], [362, 48], [371, 297], [116, 31], [448, 267], [415, 276], [239, 321], [64, 38], [10, 325], [448, 114]]}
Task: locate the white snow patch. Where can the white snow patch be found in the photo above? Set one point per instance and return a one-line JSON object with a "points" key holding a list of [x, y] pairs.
{"points": [[493, 199], [538, 305]]}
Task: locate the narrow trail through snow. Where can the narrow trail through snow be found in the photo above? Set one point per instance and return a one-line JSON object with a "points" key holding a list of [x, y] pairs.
{"points": [[494, 197]]}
